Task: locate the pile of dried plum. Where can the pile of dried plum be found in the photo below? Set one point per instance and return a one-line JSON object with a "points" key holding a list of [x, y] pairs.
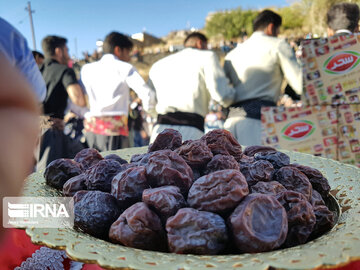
{"points": [[203, 196]]}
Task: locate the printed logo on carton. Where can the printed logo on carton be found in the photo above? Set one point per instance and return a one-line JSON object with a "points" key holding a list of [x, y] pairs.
{"points": [[298, 130], [341, 62]]}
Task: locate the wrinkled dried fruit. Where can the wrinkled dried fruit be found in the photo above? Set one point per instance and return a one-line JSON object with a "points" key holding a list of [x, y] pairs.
{"points": [[166, 200], [259, 223], [325, 220], [95, 212], [60, 170], [140, 159], [316, 199], [270, 188], [167, 139], [166, 168], [221, 162], [277, 159], [253, 149], [195, 153], [138, 227], [260, 170], [79, 195], [117, 158], [88, 157], [221, 141], [316, 178], [100, 175], [292, 179], [196, 232], [301, 217], [246, 160], [218, 192], [127, 186], [74, 185]]}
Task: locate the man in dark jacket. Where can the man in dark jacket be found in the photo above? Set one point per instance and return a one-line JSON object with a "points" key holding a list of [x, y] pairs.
{"points": [[61, 84]]}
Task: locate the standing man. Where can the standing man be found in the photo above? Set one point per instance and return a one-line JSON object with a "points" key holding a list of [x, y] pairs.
{"points": [[343, 19], [61, 84], [14, 47], [107, 83], [39, 58], [260, 64], [184, 83]]}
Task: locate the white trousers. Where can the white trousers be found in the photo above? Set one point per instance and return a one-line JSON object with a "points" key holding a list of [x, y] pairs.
{"points": [[187, 132], [246, 130]]}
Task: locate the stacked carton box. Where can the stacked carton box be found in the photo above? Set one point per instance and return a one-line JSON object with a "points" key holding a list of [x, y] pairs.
{"points": [[311, 129], [329, 122]]}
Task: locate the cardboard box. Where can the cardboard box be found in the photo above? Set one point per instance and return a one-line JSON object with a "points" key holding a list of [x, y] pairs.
{"points": [[331, 131], [309, 129], [329, 124], [331, 70], [349, 134]]}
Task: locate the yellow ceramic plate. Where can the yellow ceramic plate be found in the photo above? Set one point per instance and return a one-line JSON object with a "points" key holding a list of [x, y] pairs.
{"points": [[339, 246]]}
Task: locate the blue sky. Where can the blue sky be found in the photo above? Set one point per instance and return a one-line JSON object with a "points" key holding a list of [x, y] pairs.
{"points": [[84, 22]]}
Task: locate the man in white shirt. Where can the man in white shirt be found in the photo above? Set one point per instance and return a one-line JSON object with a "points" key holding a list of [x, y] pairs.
{"points": [[343, 19], [184, 83], [260, 64], [107, 83]]}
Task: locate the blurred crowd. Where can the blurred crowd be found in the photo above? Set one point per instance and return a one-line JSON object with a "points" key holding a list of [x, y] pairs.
{"points": [[103, 102]]}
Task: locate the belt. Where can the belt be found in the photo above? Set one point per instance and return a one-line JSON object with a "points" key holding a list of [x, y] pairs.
{"points": [[182, 119], [250, 108]]}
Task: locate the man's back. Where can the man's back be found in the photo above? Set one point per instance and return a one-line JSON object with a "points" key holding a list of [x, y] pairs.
{"points": [[260, 63], [186, 81], [56, 80], [107, 84]]}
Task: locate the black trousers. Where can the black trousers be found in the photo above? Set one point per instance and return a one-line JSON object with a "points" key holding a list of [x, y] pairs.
{"points": [[55, 144], [106, 143]]}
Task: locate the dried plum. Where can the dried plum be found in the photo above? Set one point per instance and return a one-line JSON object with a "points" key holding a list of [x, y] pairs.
{"points": [[95, 212], [301, 217], [195, 153], [246, 160], [221, 141], [293, 179], [139, 227], [325, 220], [221, 162], [260, 170], [79, 195], [316, 199], [259, 223], [127, 186], [100, 175], [74, 185], [165, 167], [140, 159], [60, 170], [117, 158], [277, 159], [253, 149], [196, 232], [166, 200], [218, 192], [270, 188], [88, 157], [167, 139], [316, 178]]}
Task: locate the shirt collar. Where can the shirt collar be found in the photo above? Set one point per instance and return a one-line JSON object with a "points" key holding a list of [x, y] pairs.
{"points": [[109, 56], [343, 31], [259, 33]]}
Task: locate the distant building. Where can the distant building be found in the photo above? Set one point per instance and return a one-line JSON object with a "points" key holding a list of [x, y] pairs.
{"points": [[146, 39]]}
